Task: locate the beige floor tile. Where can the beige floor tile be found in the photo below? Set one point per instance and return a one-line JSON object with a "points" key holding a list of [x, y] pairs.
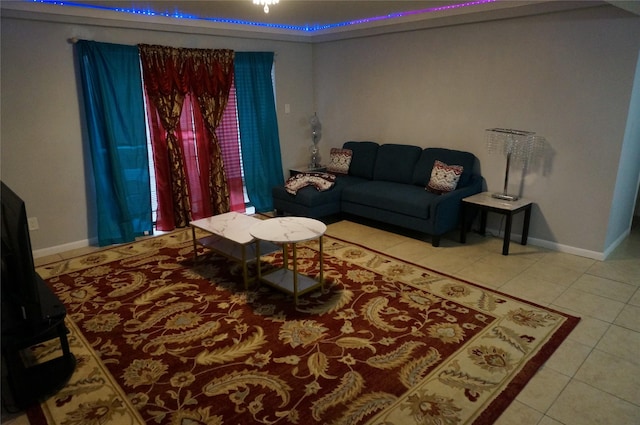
{"points": [[568, 261], [543, 389], [568, 358], [621, 342], [444, 262], [612, 374], [591, 305], [582, 404], [381, 241], [508, 262], [627, 271], [546, 420], [553, 273], [347, 230], [629, 318], [529, 252], [635, 299], [532, 289], [519, 413], [605, 287], [410, 250], [589, 330], [488, 276]]}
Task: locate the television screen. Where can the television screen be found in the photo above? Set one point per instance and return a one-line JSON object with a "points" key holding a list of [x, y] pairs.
{"points": [[25, 296]]}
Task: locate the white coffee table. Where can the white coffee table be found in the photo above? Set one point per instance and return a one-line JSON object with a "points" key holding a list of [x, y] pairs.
{"points": [[289, 231], [229, 236]]}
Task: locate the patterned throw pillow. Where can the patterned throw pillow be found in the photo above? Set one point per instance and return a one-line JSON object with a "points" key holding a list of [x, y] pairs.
{"points": [[444, 178], [340, 161]]}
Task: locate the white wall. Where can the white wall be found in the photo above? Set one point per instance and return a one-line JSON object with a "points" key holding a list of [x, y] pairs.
{"points": [[628, 175], [44, 158], [567, 76]]}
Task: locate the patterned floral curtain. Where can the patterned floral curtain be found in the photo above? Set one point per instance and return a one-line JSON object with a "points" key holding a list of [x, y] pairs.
{"points": [[166, 82], [212, 76], [189, 169]]}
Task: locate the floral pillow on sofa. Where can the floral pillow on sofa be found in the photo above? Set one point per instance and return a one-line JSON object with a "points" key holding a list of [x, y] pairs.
{"points": [[444, 178], [340, 160]]}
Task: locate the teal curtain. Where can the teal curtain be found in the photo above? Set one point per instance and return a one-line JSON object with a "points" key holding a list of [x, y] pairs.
{"points": [[259, 138], [114, 111]]}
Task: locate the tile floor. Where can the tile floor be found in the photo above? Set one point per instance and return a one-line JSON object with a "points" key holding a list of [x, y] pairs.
{"points": [[594, 377]]}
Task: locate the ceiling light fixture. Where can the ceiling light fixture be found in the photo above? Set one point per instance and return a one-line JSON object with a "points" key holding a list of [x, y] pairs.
{"points": [[266, 3]]}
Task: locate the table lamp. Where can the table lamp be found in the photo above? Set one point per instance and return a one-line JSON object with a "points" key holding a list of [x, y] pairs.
{"points": [[315, 137], [519, 146]]}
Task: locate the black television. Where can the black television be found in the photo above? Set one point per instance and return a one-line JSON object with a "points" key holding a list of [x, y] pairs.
{"points": [[26, 299]]}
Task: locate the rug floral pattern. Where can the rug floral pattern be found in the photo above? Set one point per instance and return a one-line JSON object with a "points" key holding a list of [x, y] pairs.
{"points": [[386, 342]]}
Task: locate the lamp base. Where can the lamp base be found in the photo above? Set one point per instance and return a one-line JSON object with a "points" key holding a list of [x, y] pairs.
{"points": [[504, 197]]}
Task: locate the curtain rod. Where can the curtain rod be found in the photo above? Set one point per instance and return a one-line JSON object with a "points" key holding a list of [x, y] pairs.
{"points": [[74, 40]]}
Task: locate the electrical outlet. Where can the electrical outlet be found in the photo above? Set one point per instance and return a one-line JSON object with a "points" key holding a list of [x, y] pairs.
{"points": [[33, 223]]}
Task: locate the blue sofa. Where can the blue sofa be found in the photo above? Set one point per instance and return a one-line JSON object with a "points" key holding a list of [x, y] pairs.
{"points": [[387, 183]]}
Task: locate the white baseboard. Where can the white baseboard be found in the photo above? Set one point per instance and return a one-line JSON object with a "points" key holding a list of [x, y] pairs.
{"points": [[554, 246], [44, 252], [616, 243]]}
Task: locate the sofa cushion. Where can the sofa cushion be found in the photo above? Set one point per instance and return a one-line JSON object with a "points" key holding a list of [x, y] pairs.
{"points": [[395, 163], [424, 166], [444, 178], [339, 161], [400, 198], [363, 158]]}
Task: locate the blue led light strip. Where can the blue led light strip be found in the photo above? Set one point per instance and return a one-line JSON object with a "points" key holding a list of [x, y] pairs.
{"points": [[305, 28]]}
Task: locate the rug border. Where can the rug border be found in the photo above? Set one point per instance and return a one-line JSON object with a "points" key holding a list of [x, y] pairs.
{"points": [[502, 401], [450, 276]]}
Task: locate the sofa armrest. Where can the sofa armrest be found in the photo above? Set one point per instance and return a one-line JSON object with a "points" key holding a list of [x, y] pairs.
{"points": [[445, 211]]}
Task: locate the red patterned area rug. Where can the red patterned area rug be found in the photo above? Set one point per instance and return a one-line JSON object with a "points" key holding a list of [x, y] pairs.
{"points": [[162, 338]]}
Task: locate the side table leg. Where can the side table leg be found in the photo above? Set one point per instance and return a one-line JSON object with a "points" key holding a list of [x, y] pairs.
{"points": [[483, 222], [525, 226], [463, 223], [507, 235]]}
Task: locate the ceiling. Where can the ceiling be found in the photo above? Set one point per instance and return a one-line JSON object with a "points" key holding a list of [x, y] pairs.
{"points": [[299, 20]]}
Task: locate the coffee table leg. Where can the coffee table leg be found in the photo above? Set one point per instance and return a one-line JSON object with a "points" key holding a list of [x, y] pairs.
{"points": [[285, 256], [295, 274], [244, 268], [195, 244], [258, 264], [321, 265]]}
